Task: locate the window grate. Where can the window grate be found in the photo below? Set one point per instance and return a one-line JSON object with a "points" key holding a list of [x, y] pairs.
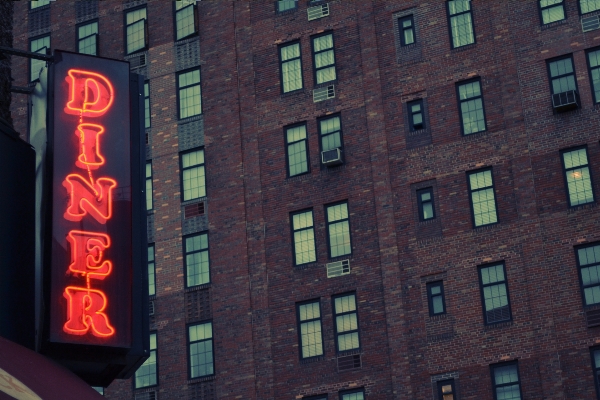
{"points": [[198, 305], [146, 396], [317, 12], [346, 363], [203, 391], [137, 61], [194, 210], [324, 93], [338, 268], [151, 307]]}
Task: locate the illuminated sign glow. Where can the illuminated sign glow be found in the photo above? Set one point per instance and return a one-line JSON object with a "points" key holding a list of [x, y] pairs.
{"points": [[91, 95]]}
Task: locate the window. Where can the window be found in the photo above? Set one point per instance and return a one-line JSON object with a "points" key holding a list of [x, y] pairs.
{"points": [[38, 3], [304, 237], [185, 18], [435, 298], [197, 268], [311, 338], [353, 395], [284, 5], [320, 397], [472, 113], [147, 375], [588, 262], [297, 150], [494, 294], [190, 93], [461, 23], [291, 67], [415, 115], [505, 380], [193, 175], [330, 131], [587, 6], [562, 75], [578, 176], [324, 58], [596, 368], [552, 11], [87, 38], [407, 30], [594, 65], [346, 322], [146, 105], [136, 30], [338, 230], [425, 204], [200, 338], [446, 390], [483, 199], [151, 271], [99, 389], [40, 45], [149, 204]]}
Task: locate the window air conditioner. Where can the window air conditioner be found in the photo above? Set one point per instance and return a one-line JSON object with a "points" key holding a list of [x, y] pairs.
{"points": [[338, 268], [317, 12], [332, 157], [565, 101], [324, 93]]}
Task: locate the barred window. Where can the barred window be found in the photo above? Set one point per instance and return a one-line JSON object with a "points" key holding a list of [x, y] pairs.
{"points": [[304, 237], [136, 30], [200, 338], [346, 322], [189, 93], [291, 67], [146, 375], [193, 180], [506, 382], [324, 58], [461, 23], [552, 11], [472, 113], [197, 265], [39, 45], [586, 6], [297, 150], [185, 18], [483, 198], [311, 337], [588, 262], [338, 229], [87, 38], [578, 176], [151, 271], [494, 294]]}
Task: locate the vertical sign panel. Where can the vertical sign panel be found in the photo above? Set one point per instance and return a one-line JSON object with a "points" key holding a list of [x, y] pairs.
{"points": [[91, 249]]}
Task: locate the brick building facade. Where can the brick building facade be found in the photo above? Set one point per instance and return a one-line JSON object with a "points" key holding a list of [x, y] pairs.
{"points": [[465, 201]]}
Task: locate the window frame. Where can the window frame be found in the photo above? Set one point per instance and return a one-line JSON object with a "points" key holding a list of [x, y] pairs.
{"points": [[146, 30], [420, 204], [133, 381], [294, 231], [551, 78], [493, 376], [564, 174], [335, 314], [587, 60], [281, 46], [300, 322], [328, 223], [342, 393], [189, 343], [341, 131], [287, 151], [482, 296], [410, 114], [31, 60], [449, 21], [153, 261], [491, 169], [460, 113], [185, 254], [147, 82], [78, 39], [287, 10], [595, 370], [195, 17], [581, 10], [401, 30], [445, 382], [579, 277], [541, 10], [181, 169], [430, 297], [314, 64], [178, 89]]}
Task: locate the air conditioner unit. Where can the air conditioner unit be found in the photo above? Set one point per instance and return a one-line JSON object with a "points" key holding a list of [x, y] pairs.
{"points": [[338, 268], [346, 363], [332, 157], [565, 101], [590, 23], [137, 61], [317, 12], [324, 93], [151, 307]]}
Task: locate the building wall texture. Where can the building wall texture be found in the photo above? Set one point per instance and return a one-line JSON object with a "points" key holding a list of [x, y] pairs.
{"points": [[255, 286], [6, 39]]}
